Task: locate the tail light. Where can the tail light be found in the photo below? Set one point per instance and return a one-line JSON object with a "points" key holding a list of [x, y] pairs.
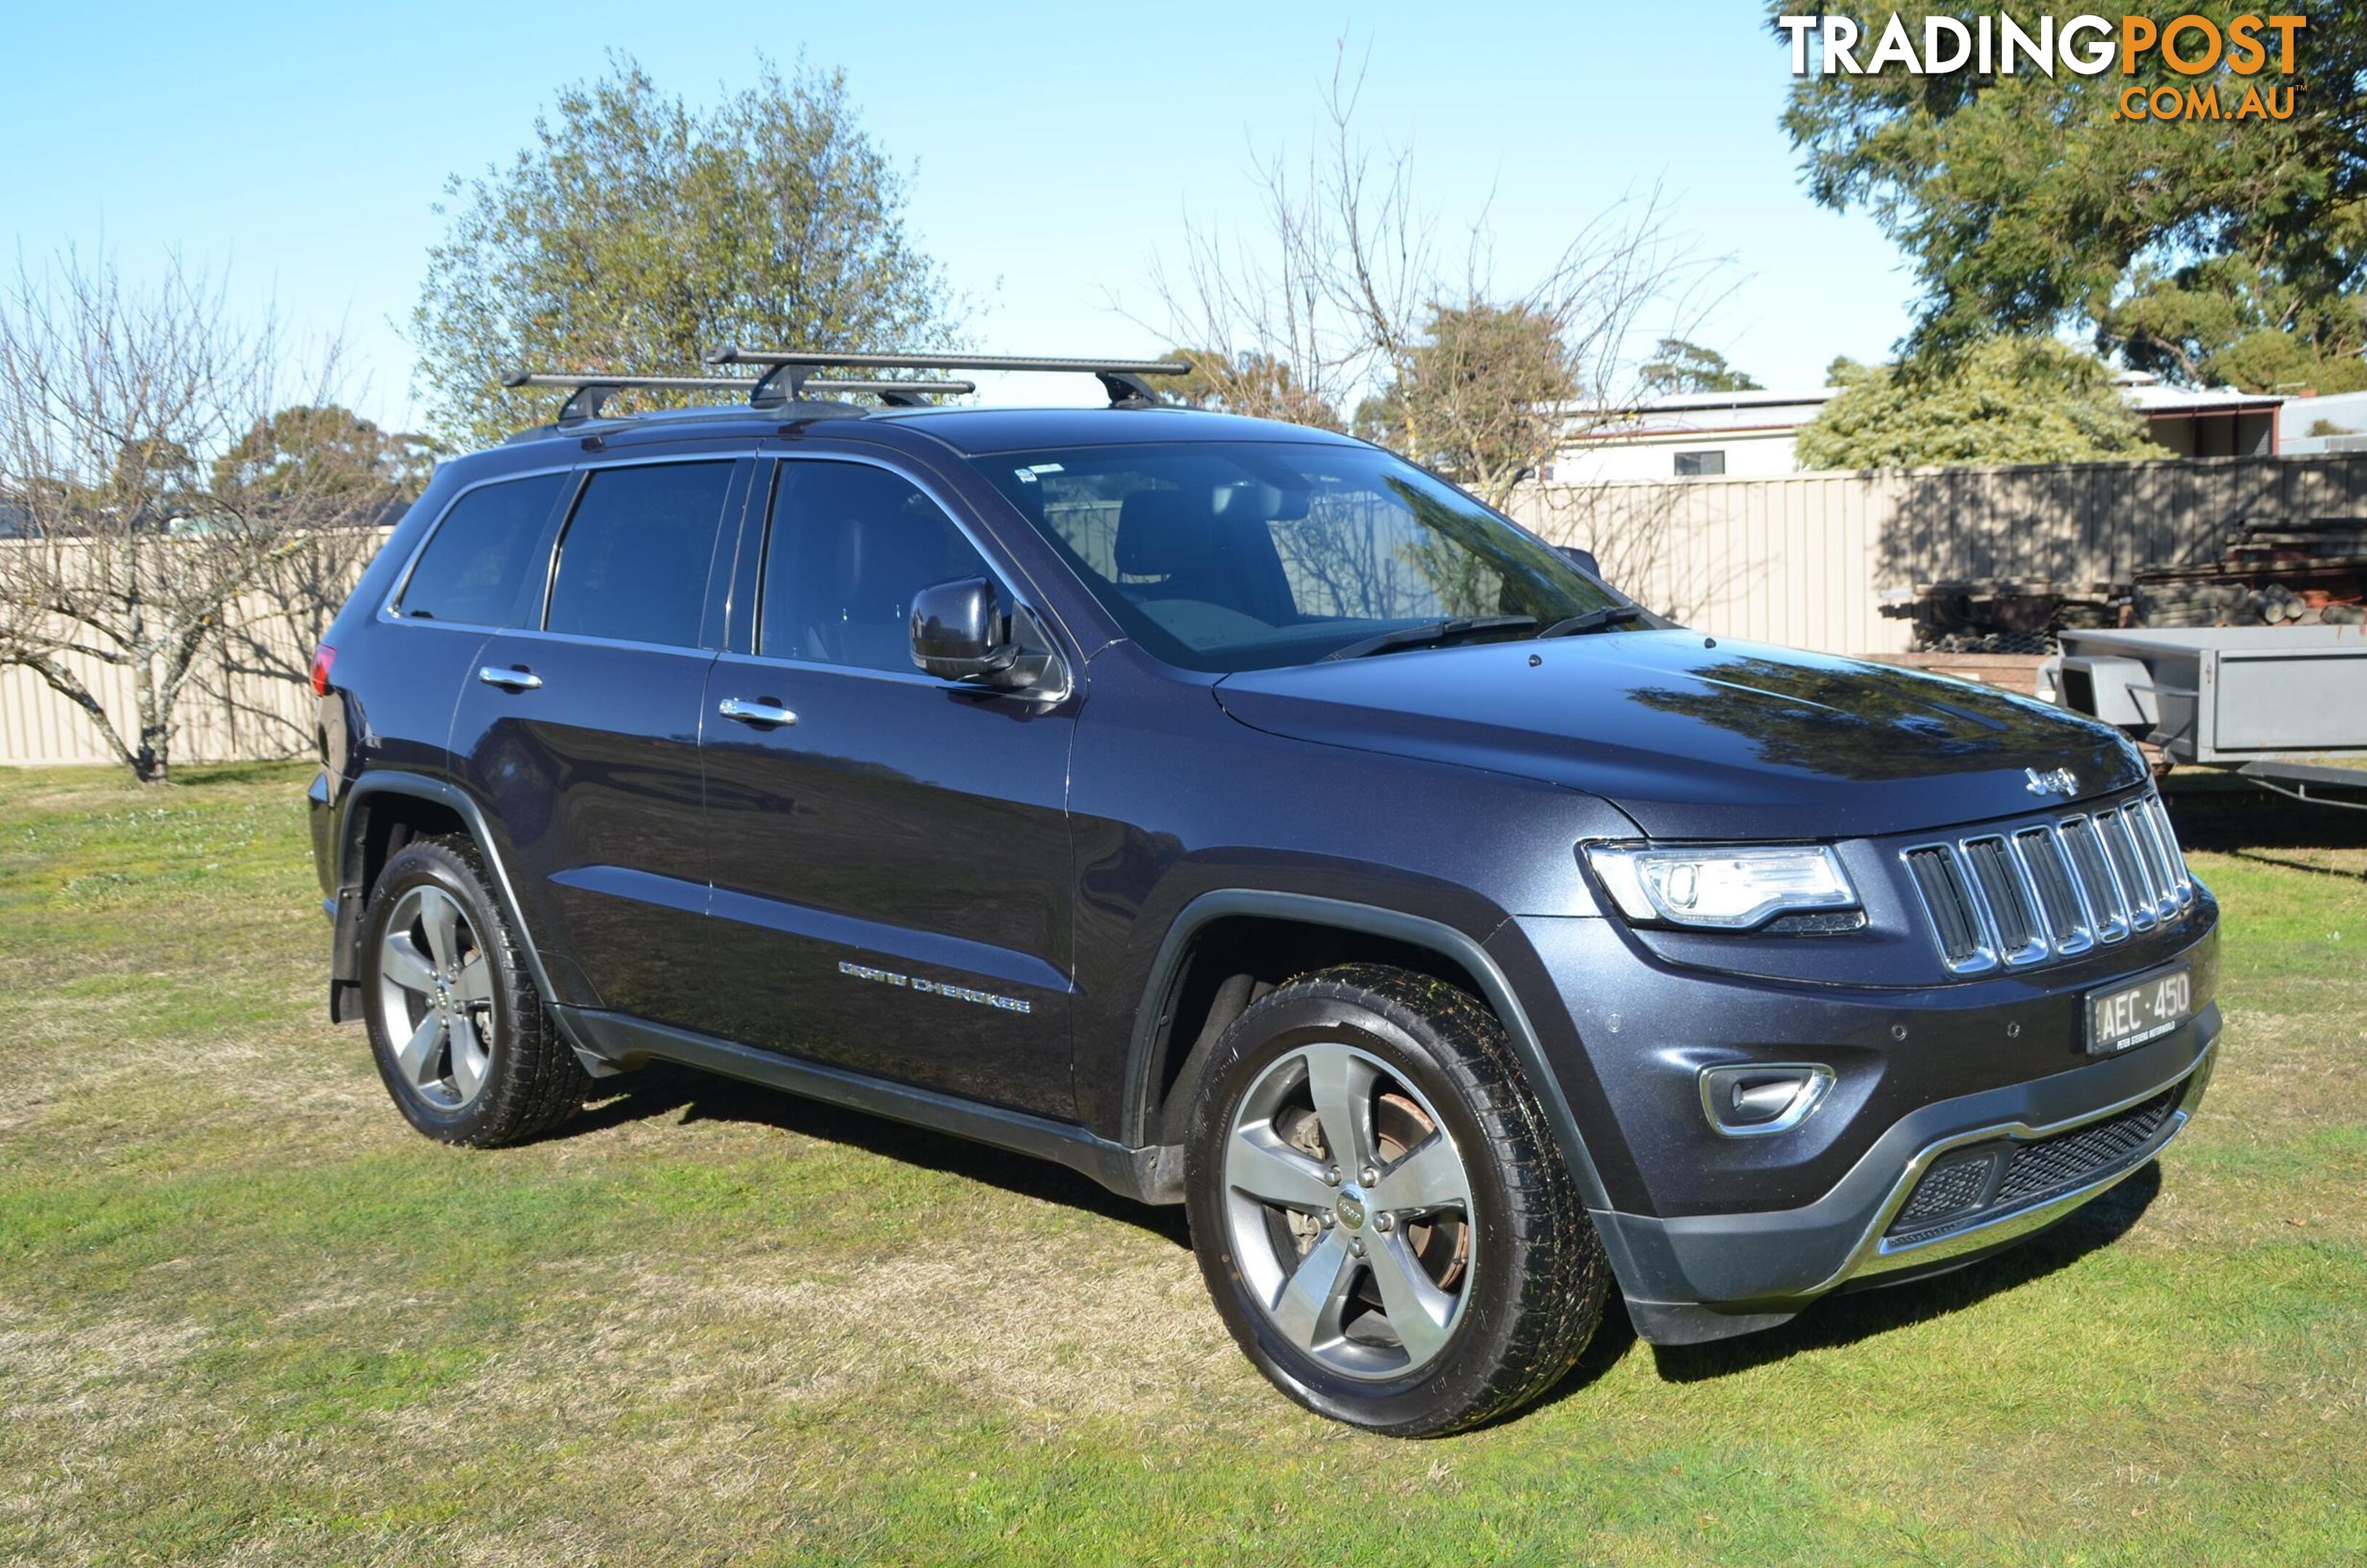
{"points": [[322, 658]]}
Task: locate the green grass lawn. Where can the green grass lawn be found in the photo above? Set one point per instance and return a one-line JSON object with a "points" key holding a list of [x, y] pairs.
{"points": [[247, 1316]]}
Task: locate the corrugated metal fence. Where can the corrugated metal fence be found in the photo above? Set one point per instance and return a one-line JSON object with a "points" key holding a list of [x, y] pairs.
{"points": [[1806, 560], [229, 712]]}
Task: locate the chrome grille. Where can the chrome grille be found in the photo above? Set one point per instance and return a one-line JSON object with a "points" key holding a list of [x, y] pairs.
{"points": [[2052, 889], [2121, 849], [1949, 898]]}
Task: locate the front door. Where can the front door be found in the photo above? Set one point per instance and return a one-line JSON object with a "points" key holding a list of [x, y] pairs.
{"points": [[889, 851], [579, 733]]}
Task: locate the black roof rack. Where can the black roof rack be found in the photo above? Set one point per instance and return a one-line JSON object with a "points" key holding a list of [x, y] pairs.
{"points": [[589, 389], [792, 369]]}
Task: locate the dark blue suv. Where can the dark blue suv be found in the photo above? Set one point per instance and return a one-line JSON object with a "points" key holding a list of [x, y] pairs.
{"points": [[1248, 819]]}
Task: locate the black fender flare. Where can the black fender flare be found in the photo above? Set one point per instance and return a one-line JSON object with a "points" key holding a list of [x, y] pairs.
{"points": [[1373, 920], [443, 792]]}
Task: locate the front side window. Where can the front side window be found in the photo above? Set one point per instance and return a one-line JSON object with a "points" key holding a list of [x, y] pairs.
{"points": [[1239, 556], [848, 547], [634, 560], [472, 569]]}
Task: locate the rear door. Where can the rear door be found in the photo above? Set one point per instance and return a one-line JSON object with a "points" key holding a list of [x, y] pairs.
{"points": [[579, 731], [892, 868], [466, 583]]}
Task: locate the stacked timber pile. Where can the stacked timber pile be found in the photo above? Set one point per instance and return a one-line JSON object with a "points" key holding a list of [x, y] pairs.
{"points": [[2280, 573], [2005, 615]]}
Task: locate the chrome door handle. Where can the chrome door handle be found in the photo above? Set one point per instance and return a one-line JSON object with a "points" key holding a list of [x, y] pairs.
{"points": [[754, 712], [509, 680]]}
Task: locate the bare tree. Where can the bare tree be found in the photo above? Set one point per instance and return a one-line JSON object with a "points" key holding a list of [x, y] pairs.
{"points": [[118, 403], [1349, 303]]}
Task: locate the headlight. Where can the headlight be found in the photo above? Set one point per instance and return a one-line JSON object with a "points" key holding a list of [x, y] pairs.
{"points": [[1722, 887]]}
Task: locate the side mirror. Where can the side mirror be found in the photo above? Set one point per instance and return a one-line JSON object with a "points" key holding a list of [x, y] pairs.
{"points": [[1581, 559], [957, 633]]}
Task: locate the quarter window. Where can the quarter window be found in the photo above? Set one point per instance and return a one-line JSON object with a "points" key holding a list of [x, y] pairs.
{"points": [[849, 546], [473, 568], [633, 563]]}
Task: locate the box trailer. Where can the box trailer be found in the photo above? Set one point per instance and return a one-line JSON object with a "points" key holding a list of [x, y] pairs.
{"points": [[2273, 703]]}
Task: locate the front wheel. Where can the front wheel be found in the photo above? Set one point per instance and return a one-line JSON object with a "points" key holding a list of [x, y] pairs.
{"points": [[1380, 1211]]}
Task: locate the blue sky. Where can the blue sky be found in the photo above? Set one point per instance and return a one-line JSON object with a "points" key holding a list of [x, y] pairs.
{"points": [[1057, 151]]}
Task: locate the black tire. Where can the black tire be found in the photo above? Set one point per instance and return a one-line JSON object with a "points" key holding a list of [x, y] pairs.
{"points": [[1537, 1277], [531, 1080]]}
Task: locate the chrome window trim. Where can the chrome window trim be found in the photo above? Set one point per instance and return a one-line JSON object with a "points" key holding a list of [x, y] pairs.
{"points": [[816, 666], [626, 644]]}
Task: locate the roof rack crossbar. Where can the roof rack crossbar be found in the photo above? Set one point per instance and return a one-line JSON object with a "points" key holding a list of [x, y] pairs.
{"points": [[793, 366], [588, 392]]}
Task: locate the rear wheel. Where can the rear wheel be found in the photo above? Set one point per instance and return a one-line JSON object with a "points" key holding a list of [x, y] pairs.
{"points": [[1379, 1210], [456, 1023]]}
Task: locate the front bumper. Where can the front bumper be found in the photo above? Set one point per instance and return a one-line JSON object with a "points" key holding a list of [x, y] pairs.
{"points": [[1694, 1278]]}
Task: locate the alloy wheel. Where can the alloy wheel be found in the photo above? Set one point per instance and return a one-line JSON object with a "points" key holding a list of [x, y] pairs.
{"points": [[1349, 1208], [435, 997]]}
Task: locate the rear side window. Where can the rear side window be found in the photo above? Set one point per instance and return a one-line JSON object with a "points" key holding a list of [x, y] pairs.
{"points": [[633, 563], [472, 569]]}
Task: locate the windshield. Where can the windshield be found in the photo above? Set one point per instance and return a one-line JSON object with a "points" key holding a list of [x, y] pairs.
{"points": [[1244, 556]]}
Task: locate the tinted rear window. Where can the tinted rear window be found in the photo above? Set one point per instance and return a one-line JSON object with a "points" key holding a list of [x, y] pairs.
{"points": [[633, 563], [474, 567]]}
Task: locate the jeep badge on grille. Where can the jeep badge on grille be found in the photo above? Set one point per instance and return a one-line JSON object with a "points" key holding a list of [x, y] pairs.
{"points": [[2054, 781]]}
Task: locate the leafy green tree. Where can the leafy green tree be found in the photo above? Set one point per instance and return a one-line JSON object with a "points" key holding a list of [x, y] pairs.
{"points": [[637, 233], [1683, 366], [2011, 400], [323, 451], [2213, 250]]}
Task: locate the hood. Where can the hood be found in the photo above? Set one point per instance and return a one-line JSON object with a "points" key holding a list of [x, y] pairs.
{"points": [[1701, 738]]}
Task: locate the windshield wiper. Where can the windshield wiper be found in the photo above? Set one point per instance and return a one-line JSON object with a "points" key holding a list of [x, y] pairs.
{"points": [[1432, 634], [1594, 621]]}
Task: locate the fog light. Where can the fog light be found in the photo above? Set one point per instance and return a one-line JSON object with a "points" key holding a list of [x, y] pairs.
{"points": [[1748, 1100]]}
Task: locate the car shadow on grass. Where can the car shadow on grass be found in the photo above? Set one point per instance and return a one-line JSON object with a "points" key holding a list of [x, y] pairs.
{"points": [[1847, 1317], [2270, 830], [1843, 1318], [664, 1089]]}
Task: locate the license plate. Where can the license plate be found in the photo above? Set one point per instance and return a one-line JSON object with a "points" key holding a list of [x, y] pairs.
{"points": [[2129, 1015]]}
